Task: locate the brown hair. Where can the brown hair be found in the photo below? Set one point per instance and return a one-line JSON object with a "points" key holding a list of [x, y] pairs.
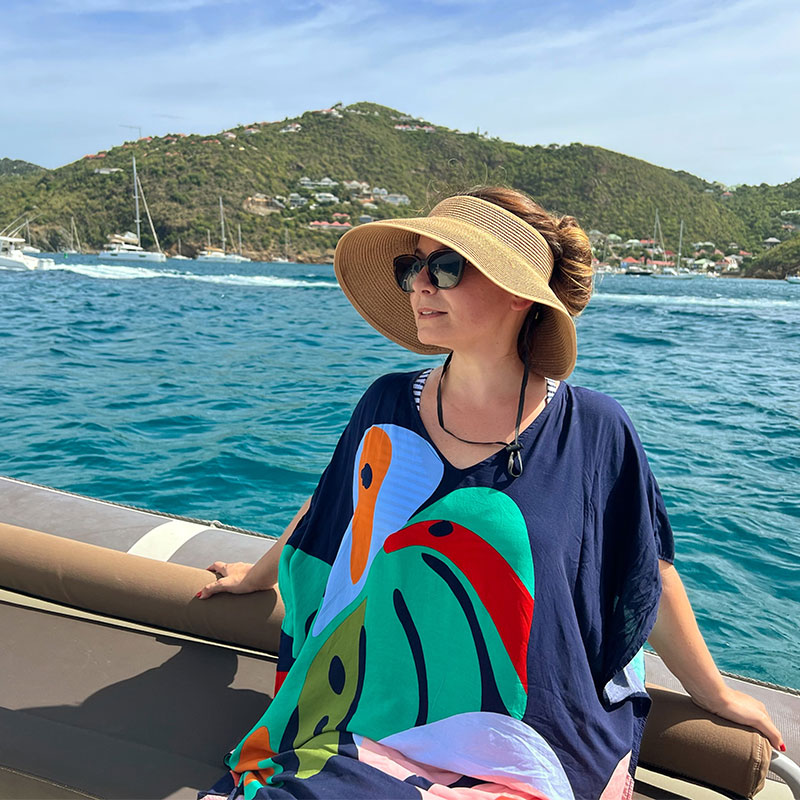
{"points": [[571, 280]]}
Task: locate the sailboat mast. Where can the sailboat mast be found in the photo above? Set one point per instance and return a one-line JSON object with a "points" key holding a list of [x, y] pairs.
{"points": [[680, 244], [179, 246], [79, 247], [240, 238], [222, 224], [149, 218], [655, 234], [136, 202]]}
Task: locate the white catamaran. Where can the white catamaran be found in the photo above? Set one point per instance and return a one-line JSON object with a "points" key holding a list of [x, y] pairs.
{"points": [[218, 255], [127, 246]]}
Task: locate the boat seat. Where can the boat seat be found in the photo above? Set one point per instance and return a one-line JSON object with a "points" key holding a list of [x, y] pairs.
{"points": [[121, 684]]}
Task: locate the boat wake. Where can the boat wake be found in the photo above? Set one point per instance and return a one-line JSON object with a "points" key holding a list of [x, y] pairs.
{"points": [[668, 300], [120, 272]]}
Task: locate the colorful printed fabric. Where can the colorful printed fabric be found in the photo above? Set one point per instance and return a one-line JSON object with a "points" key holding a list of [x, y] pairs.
{"points": [[456, 633]]}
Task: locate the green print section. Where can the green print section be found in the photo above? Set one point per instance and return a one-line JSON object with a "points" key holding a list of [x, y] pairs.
{"points": [[310, 575], [495, 517], [451, 685]]}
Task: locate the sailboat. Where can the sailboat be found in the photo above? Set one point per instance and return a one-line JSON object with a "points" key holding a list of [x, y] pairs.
{"points": [[74, 240], [29, 247], [179, 256], [218, 255], [127, 246], [285, 258]]}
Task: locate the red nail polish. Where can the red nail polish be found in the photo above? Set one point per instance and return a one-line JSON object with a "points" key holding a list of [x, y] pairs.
{"points": [[198, 594], [783, 748]]}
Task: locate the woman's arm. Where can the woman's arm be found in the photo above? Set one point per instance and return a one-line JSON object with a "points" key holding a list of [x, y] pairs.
{"points": [[241, 578], [677, 639]]}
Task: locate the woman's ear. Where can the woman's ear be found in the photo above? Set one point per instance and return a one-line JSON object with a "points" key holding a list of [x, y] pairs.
{"points": [[520, 303]]}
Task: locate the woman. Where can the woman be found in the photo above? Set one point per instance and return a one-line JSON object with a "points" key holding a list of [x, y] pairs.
{"points": [[468, 591]]}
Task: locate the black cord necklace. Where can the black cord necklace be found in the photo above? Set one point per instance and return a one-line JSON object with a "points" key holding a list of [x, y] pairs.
{"points": [[514, 449]]}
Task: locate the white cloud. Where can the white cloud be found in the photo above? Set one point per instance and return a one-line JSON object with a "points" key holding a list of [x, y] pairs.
{"points": [[683, 84]]}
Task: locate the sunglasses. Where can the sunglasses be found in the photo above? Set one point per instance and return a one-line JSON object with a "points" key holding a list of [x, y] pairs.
{"points": [[445, 269]]}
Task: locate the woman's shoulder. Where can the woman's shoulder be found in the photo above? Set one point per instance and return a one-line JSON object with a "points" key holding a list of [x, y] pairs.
{"points": [[597, 415], [595, 404], [385, 391], [390, 384]]}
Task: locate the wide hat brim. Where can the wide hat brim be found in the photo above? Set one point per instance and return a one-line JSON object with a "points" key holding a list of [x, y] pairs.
{"points": [[363, 263]]}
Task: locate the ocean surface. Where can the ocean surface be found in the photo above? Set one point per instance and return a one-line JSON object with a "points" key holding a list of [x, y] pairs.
{"points": [[219, 392]]}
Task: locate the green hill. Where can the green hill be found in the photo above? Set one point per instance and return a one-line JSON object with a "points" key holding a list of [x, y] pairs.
{"points": [[10, 166], [184, 176], [778, 261]]}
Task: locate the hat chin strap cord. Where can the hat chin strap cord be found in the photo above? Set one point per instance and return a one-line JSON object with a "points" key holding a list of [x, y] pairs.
{"points": [[514, 449]]}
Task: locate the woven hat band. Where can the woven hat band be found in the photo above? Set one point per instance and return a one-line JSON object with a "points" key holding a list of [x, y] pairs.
{"points": [[503, 225]]}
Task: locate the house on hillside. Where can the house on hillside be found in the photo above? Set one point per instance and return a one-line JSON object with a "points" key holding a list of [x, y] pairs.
{"points": [[296, 200], [326, 197], [396, 199], [292, 127], [323, 225], [771, 242]]}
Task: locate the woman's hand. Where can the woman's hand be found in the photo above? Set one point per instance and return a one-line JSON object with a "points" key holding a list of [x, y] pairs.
{"points": [[677, 639], [745, 710], [234, 579]]}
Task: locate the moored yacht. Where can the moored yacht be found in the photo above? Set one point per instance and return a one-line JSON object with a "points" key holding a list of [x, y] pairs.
{"points": [[127, 246], [217, 255]]}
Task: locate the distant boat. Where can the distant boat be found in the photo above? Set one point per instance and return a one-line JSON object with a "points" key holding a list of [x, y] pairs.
{"points": [[792, 278], [14, 256], [179, 256], [675, 274], [217, 255], [128, 246], [637, 271], [74, 241], [285, 258], [29, 247]]}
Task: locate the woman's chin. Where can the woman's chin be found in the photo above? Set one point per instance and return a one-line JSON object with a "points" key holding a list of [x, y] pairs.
{"points": [[428, 337]]}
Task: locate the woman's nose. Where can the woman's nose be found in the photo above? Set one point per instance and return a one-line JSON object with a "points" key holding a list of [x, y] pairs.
{"points": [[422, 283]]}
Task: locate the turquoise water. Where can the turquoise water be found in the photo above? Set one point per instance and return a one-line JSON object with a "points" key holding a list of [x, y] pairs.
{"points": [[219, 392]]}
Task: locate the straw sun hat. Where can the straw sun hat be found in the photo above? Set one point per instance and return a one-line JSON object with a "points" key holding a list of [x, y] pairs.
{"points": [[507, 250]]}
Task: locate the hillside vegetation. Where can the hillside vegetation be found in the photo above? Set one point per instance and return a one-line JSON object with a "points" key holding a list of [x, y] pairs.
{"points": [[183, 178], [778, 261]]}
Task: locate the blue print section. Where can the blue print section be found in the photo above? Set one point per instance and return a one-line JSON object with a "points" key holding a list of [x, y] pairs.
{"points": [[412, 474]]}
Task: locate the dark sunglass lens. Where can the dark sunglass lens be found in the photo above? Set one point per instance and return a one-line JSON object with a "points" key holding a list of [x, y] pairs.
{"points": [[406, 268], [447, 268]]}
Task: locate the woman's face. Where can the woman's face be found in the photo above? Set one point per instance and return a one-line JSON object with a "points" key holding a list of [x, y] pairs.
{"points": [[476, 314]]}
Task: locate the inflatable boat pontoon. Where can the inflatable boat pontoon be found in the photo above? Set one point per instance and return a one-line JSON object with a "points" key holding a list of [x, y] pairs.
{"points": [[118, 683]]}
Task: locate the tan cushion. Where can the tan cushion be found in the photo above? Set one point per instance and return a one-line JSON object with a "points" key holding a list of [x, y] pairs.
{"points": [[682, 739], [134, 588]]}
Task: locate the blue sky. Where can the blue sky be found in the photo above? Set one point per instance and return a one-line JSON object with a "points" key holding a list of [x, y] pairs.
{"points": [[706, 86]]}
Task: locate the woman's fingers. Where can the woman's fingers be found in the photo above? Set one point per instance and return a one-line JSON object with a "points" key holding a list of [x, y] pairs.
{"points": [[739, 707], [218, 566]]}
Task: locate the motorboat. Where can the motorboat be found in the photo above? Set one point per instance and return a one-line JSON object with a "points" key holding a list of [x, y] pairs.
{"points": [[792, 278], [15, 257], [127, 246], [120, 683]]}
